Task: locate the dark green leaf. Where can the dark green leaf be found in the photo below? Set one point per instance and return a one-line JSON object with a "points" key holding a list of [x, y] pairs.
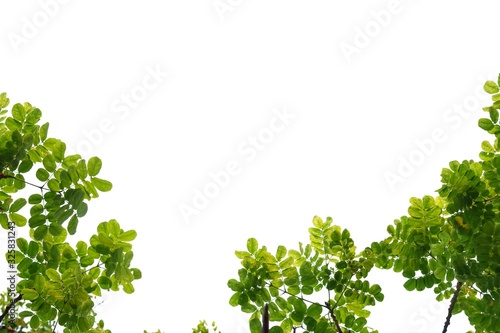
{"points": [[41, 232], [72, 225]]}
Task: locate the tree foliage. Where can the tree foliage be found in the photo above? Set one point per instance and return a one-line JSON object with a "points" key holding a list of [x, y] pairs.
{"points": [[54, 283], [449, 243]]}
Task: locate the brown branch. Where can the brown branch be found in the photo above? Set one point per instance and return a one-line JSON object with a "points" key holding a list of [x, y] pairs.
{"points": [[452, 304], [11, 304], [8, 329], [330, 310], [265, 320]]}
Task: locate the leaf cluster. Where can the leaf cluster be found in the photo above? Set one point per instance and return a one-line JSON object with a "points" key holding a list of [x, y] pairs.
{"points": [[449, 243], [58, 282], [285, 278]]}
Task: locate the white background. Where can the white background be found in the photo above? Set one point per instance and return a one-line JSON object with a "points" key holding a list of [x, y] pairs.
{"points": [[356, 117]]}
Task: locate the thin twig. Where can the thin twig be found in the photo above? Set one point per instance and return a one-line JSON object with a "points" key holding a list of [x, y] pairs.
{"points": [[296, 296]]}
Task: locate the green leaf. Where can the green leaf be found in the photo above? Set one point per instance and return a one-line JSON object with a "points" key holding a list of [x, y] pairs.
{"points": [[18, 219], [491, 87], [437, 249], [29, 294], [440, 273], [22, 245], [315, 310], [44, 129], [41, 232], [42, 174], [82, 169], [252, 245], [4, 100], [494, 114], [34, 116], [233, 301], [104, 282], [128, 236], [101, 184], [487, 147], [280, 252], [136, 273], [410, 285], [49, 163], [255, 325], [34, 322], [33, 249], [17, 205], [53, 185], [94, 166], [317, 222], [72, 225], [55, 229], [18, 112], [485, 124], [52, 274], [13, 124], [235, 285], [25, 166]]}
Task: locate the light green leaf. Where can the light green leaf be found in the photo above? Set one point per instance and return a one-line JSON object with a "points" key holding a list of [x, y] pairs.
{"points": [[128, 236], [101, 184], [94, 166], [22, 245], [317, 222], [44, 129], [34, 116], [18, 112], [490, 87], [82, 169], [18, 219], [440, 273], [29, 294], [252, 245], [52, 274], [17, 205], [54, 185], [280, 252]]}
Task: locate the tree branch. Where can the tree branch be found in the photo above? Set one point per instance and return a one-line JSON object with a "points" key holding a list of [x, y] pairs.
{"points": [[334, 318], [8, 307], [452, 304], [265, 319]]}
